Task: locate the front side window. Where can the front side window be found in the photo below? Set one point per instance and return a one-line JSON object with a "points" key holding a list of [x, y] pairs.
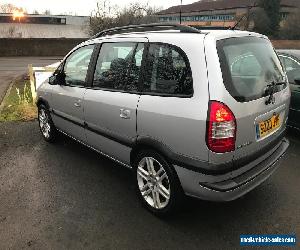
{"points": [[76, 66], [249, 65], [118, 66], [167, 71]]}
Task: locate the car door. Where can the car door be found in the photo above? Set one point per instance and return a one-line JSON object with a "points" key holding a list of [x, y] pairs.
{"points": [[168, 111], [67, 97], [295, 105], [111, 102], [292, 67]]}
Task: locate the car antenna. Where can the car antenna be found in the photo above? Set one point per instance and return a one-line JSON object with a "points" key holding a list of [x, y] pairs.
{"points": [[243, 17]]}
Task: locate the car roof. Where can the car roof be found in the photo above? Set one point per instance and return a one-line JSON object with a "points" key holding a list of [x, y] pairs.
{"points": [[173, 34]]}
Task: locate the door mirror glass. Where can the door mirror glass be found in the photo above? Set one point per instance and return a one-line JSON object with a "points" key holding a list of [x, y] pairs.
{"points": [[52, 80], [57, 79]]}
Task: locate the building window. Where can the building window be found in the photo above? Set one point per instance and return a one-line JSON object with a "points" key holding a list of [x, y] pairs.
{"points": [[283, 15], [203, 18]]}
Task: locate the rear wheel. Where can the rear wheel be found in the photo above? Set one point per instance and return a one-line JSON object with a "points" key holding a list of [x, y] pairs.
{"points": [[46, 125], [157, 183]]}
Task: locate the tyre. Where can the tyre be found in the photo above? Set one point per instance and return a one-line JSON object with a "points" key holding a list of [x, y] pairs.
{"points": [[157, 183], [46, 124]]}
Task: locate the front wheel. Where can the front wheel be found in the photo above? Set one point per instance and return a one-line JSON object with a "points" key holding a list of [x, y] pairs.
{"points": [[157, 183], [46, 125]]}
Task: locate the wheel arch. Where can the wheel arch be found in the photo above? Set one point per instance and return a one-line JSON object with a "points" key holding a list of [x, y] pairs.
{"points": [[143, 143], [41, 101]]}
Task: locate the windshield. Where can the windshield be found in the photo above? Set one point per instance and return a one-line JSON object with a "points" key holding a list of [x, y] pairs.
{"points": [[249, 65]]}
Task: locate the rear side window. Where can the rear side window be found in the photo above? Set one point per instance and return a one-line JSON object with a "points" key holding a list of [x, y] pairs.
{"points": [[118, 66], [248, 65], [168, 71]]}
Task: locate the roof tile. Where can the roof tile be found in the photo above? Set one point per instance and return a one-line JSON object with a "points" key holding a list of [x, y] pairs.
{"points": [[219, 5]]}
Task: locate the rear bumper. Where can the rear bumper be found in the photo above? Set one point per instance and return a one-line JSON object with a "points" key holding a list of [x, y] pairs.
{"points": [[235, 184]]}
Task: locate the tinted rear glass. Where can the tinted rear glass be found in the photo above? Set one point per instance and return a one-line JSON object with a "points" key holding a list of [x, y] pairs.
{"points": [[248, 65]]}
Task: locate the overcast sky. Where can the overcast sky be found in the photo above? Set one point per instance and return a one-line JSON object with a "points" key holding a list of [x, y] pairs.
{"points": [[82, 7]]}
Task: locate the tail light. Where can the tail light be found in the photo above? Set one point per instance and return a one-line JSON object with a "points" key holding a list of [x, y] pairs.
{"points": [[221, 128]]}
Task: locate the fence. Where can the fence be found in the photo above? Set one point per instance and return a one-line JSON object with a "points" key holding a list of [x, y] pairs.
{"points": [[37, 46]]}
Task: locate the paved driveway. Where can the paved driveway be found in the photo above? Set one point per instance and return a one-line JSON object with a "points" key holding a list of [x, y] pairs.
{"points": [[65, 196], [11, 67]]}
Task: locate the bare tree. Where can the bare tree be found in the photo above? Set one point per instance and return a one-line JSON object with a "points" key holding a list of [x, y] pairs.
{"points": [[7, 8], [244, 21], [137, 13], [255, 19], [47, 12], [107, 16], [104, 9], [262, 22]]}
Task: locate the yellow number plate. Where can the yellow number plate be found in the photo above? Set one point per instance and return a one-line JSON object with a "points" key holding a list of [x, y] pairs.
{"points": [[266, 127]]}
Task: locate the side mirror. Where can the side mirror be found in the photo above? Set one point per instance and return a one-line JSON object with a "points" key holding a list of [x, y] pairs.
{"points": [[57, 79], [52, 80]]}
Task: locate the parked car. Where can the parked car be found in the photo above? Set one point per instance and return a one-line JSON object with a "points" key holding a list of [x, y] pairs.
{"points": [[291, 62], [197, 113]]}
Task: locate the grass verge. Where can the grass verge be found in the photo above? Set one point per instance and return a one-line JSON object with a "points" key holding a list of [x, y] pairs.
{"points": [[17, 104]]}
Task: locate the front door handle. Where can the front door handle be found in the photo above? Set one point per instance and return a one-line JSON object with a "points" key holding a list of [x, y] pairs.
{"points": [[125, 113]]}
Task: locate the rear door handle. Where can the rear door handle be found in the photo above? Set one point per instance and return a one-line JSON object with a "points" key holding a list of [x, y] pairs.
{"points": [[77, 104], [125, 113]]}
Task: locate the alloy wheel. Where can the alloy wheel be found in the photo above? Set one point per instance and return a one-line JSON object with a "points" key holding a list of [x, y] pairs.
{"points": [[153, 183], [44, 123]]}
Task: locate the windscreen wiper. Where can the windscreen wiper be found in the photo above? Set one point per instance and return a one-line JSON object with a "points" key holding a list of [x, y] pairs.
{"points": [[270, 90]]}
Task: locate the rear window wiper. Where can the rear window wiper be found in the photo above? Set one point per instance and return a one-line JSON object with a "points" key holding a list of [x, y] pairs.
{"points": [[270, 90]]}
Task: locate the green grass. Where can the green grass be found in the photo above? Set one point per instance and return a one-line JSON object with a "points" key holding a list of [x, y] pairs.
{"points": [[18, 104]]}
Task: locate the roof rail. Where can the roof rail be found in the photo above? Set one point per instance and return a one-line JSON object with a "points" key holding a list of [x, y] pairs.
{"points": [[198, 27], [147, 27]]}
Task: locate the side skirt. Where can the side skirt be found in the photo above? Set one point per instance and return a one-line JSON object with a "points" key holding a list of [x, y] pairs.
{"points": [[96, 150]]}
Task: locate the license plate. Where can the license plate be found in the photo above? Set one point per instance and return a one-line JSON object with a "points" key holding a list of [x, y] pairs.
{"points": [[268, 126]]}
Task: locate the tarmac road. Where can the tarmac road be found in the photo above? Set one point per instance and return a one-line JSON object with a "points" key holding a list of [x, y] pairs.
{"points": [[11, 67], [65, 196]]}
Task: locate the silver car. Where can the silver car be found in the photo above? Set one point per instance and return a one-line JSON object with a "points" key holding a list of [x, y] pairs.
{"points": [[197, 113]]}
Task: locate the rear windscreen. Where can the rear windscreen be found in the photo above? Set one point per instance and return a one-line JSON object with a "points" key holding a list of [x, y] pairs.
{"points": [[249, 65]]}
